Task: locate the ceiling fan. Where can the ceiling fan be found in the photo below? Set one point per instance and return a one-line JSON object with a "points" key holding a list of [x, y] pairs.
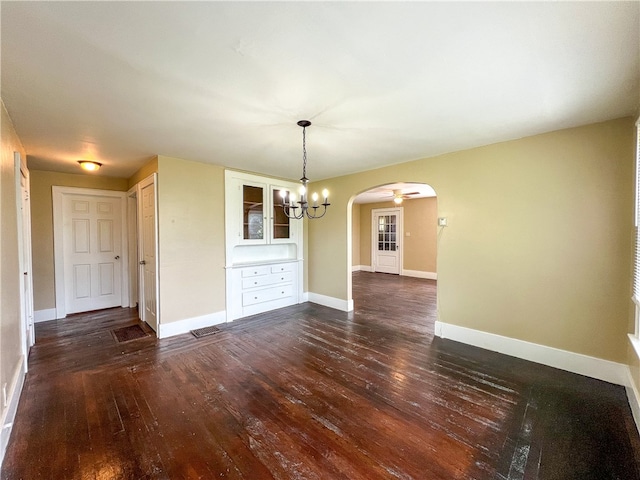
{"points": [[399, 196]]}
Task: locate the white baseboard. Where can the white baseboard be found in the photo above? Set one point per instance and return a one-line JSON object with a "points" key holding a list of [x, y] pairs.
{"points": [[9, 414], [304, 298], [420, 274], [634, 399], [188, 324], [44, 315], [361, 268], [331, 302], [598, 368]]}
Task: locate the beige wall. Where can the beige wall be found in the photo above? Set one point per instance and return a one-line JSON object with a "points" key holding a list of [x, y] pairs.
{"points": [[355, 235], [420, 220], [539, 237], [42, 225], [191, 239], [147, 169], [10, 275]]}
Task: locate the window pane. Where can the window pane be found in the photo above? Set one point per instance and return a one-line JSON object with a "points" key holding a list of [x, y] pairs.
{"points": [[253, 215]]}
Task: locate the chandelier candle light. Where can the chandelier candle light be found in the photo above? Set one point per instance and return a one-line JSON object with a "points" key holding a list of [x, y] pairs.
{"points": [[289, 204]]}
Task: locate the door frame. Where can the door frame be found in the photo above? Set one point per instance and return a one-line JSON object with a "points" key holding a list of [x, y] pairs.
{"points": [[58, 194], [399, 211], [27, 329], [132, 235]]}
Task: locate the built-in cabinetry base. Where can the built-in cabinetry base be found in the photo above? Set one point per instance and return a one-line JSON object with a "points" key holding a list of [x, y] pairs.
{"points": [[262, 287]]}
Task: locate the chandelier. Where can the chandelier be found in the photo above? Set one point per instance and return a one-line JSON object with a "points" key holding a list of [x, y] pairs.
{"points": [[301, 208]]}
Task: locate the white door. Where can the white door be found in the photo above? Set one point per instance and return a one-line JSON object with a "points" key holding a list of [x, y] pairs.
{"points": [[89, 250], [148, 267], [24, 222], [386, 233]]}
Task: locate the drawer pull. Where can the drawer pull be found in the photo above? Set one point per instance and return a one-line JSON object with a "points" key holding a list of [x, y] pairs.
{"points": [[255, 283], [282, 278], [255, 298]]}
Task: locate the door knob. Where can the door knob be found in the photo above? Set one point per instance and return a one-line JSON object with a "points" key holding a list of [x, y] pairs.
{"points": [[142, 262], [117, 257]]}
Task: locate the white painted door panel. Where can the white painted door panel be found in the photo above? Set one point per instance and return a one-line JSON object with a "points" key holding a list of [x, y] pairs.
{"points": [[148, 255], [92, 242]]}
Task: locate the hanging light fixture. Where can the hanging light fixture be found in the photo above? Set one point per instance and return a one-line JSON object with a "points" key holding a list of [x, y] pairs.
{"points": [[89, 165], [289, 203]]}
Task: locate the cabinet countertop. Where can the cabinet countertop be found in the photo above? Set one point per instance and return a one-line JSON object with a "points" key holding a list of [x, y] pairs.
{"points": [[265, 262]]}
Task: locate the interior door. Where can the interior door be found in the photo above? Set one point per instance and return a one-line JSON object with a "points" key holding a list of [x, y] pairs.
{"points": [[92, 243], [148, 267], [24, 225], [386, 240]]}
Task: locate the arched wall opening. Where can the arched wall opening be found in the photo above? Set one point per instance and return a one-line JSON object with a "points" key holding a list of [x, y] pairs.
{"points": [[415, 237]]}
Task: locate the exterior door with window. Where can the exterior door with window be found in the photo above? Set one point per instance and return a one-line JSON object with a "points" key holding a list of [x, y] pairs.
{"points": [[386, 239]]}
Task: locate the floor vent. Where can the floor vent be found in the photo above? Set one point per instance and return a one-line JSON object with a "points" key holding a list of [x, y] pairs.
{"points": [[203, 332], [126, 334]]}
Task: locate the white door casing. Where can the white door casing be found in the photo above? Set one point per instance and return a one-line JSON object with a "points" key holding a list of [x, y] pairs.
{"points": [[147, 244], [386, 240], [90, 250], [24, 246], [132, 237]]}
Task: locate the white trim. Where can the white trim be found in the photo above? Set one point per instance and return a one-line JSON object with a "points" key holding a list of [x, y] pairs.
{"points": [[420, 274], [572, 362], [44, 315], [634, 398], [12, 407], [331, 302], [304, 297], [57, 194], [362, 268], [184, 326]]}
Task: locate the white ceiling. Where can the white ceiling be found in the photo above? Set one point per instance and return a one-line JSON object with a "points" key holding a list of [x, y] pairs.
{"points": [[382, 82], [386, 193]]}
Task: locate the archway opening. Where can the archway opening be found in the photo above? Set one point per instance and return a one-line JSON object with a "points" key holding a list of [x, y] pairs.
{"points": [[393, 245]]}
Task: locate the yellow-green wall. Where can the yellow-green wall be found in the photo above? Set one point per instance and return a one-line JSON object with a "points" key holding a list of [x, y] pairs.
{"points": [[147, 169], [42, 225], [191, 239], [419, 249], [538, 243], [10, 275], [356, 258]]}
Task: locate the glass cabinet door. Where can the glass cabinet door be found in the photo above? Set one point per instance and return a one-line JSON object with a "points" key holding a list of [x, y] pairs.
{"points": [[253, 212], [281, 225]]}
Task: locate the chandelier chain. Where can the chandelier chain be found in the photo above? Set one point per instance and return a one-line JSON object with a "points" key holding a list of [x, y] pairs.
{"points": [[304, 152]]}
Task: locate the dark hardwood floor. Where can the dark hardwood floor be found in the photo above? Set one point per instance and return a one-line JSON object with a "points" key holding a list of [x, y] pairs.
{"points": [[307, 392]]}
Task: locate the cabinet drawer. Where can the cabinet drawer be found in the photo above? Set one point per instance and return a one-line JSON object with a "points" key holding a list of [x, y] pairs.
{"points": [[286, 267], [254, 271], [266, 295], [266, 280]]}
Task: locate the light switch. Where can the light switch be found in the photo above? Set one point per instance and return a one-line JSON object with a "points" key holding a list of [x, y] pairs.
{"points": [[442, 221], [407, 234]]}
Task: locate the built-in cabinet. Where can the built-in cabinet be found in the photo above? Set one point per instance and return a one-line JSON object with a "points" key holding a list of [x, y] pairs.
{"points": [[264, 247]]}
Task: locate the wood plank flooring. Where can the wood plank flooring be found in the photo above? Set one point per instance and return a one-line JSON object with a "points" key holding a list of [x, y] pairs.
{"points": [[307, 392]]}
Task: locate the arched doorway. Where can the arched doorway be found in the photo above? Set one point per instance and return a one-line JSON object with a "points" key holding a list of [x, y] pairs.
{"points": [[393, 230]]}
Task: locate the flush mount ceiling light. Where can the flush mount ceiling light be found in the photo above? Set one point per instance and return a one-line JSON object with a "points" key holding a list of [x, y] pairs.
{"points": [[289, 204], [89, 165]]}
